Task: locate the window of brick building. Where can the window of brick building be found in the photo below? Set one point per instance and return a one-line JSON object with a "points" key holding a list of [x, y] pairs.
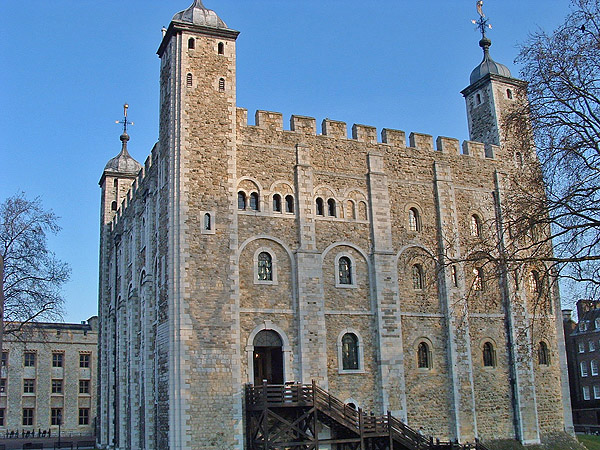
{"points": [[29, 359], [4, 360], [592, 346], [2, 385], [475, 225], [543, 354], [84, 386], [594, 367], [581, 347], [57, 386], [423, 356], [345, 270], [28, 386], [289, 204], [331, 210], [350, 357], [596, 391], [241, 200], [2, 411], [478, 279], [84, 360], [414, 220], [28, 415], [57, 359], [56, 416], [265, 267], [84, 416], [277, 203], [583, 369], [418, 277], [254, 201], [320, 207], [489, 355], [586, 392]]}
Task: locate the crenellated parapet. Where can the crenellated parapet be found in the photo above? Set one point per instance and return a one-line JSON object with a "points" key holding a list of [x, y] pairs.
{"points": [[271, 121]]}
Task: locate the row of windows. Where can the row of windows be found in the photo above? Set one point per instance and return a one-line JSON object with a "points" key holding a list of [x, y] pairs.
{"points": [[586, 392], [189, 82], [584, 325], [220, 46], [591, 346], [29, 359], [56, 386], [415, 224], [56, 415], [583, 368]]}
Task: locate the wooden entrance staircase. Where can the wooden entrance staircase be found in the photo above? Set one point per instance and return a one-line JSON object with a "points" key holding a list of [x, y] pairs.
{"points": [[293, 417]]}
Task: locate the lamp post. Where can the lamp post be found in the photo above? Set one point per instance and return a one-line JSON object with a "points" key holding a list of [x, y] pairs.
{"points": [[59, 424]]}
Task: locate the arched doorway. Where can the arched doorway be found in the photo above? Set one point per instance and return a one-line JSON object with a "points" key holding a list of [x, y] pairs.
{"points": [[268, 358]]}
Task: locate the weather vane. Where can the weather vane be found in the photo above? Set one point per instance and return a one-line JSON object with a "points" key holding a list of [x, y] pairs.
{"points": [[482, 23], [125, 121]]}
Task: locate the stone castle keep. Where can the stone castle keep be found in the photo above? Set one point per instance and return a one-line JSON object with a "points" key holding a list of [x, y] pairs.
{"points": [[243, 254]]}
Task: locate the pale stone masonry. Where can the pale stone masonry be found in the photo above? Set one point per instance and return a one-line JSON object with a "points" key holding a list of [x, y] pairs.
{"points": [[47, 368], [357, 293]]}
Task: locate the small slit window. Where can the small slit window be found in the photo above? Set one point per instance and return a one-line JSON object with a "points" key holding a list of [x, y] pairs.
{"points": [[265, 267], [454, 276], [221, 84], [221, 48], [544, 354], [191, 43], [345, 270], [189, 80], [478, 99], [478, 279], [289, 204], [509, 94], [320, 207], [241, 200], [207, 222], [113, 206], [489, 355], [331, 208], [475, 225], [534, 282], [414, 221], [277, 203], [423, 356], [254, 201], [350, 352], [417, 277]]}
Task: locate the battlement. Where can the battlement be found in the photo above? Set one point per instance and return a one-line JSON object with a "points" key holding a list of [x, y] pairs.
{"points": [[273, 121]]}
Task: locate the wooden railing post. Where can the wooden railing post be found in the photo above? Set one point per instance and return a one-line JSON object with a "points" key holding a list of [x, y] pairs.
{"points": [[361, 429]]}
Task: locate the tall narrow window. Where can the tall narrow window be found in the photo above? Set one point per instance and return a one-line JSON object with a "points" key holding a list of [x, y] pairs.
{"points": [[331, 207], [189, 80], [277, 203], [350, 352], [454, 276], [423, 356], [289, 204], [594, 367], [351, 207], [475, 225], [207, 222], [221, 84], [191, 43], [265, 267], [320, 207], [583, 369], [113, 206], [478, 279], [489, 355], [417, 277], [241, 200], [29, 359], [221, 48], [4, 360], [345, 270], [84, 416], [57, 359], [254, 201], [534, 282], [28, 416], [544, 354], [479, 99], [414, 223], [509, 94], [586, 392], [362, 211], [56, 416]]}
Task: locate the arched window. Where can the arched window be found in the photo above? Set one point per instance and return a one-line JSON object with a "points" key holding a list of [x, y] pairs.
{"points": [[534, 282], [277, 203], [478, 279], [191, 43], [254, 201], [489, 355], [509, 94], [207, 222], [289, 204], [544, 354], [241, 200], [479, 99], [417, 277], [189, 80], [594, 367], [265, 267], [351, 207], [345, 270], [414, 221], [331, 208], [113, 206], [423, 356], [320, 209], [475, 225], [362, 211], [221, 48], [221, 84], [350, 352]]}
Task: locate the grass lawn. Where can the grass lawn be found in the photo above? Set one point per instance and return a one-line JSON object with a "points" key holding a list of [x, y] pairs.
{"points": [[590, 441]]}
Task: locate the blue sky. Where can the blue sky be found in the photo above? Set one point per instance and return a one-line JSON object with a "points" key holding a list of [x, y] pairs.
{"points": [[69, 65]]}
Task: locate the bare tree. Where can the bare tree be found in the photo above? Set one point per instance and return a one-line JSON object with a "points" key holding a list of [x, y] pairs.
{"points": [[32, 276]]}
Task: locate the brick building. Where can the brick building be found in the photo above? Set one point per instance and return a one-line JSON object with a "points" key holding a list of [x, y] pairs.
{"points": [[243, 252], [583, 355], [48, 371]]}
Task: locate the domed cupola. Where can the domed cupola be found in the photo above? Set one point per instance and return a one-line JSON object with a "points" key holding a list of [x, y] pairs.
{"points": [[488, 65], [123, 163], [199, 15]]}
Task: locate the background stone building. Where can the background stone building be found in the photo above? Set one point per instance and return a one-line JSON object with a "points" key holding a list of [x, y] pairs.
{"points": [[247, 252], [49, 370], [583, 356]]}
